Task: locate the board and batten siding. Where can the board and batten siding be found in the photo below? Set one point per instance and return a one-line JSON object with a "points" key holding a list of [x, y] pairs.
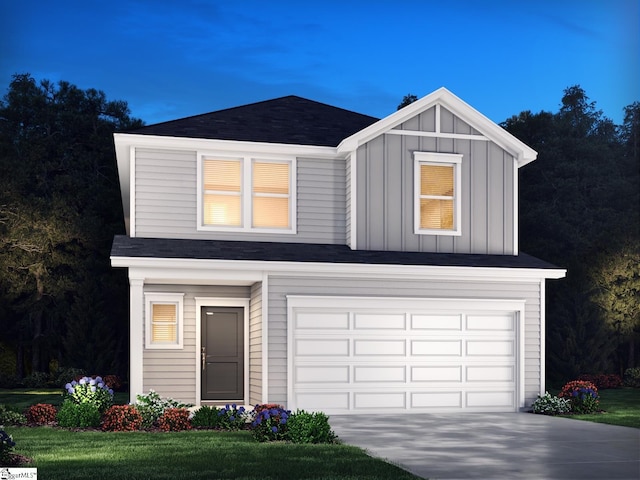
{"points": [[281, 286], [166, 200], [385, 196], [171, 373]]}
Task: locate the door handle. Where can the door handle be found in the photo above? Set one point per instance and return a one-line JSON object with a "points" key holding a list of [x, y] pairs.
{"points": [[204, 358]]}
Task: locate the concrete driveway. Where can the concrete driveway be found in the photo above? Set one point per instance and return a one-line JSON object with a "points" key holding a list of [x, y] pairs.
{"points": [[495, 446]]}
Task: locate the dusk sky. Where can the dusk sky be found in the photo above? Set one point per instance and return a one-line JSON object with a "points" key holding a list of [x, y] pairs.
{"points": [[170, 59]]}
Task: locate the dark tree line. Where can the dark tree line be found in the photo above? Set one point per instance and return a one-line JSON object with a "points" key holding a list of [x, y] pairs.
{"points": [[580, 209], [61, 304]]}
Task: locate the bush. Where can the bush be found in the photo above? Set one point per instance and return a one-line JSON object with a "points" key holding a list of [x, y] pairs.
{"points": [[122, 418], [114, 382], [90, 390], [231, 417], [304, 427], [547, 404], [68, 375], [36, 380], [632, 377], [6, 447], [174, 420], [11, 417], [151, 406], [603, 381], [78, 415], [205, 417], [582, 395], [9, 380], [269, 423], [41, 414]]}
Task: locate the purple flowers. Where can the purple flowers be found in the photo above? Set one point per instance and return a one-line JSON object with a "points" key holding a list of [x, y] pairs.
{"points": [[89, 390]]}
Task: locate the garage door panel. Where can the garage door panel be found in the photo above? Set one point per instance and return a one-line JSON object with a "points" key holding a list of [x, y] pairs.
{"points": [[480, 373], [369, 321], [500, 323], [322, 374], [379, 347], [437, 347], [318, 401], [487, 348], [379, 374], [375, 400], [322, 321], [436, 374], [436, 322], [490, 399], [440, 400], [322, 347]]}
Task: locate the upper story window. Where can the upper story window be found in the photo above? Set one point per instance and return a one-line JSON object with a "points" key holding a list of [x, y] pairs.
{"points": [[437, 180], [247, 194]]}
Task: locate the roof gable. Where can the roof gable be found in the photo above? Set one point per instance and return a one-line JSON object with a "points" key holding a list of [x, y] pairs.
{"points": [[443, 97], [286, 120]]}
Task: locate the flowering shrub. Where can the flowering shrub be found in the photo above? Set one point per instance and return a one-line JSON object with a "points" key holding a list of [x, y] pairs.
{"points": [[78, 415], [121, 418], [174, 419], [547, 404], [632, 377], [6, 447], [231, 417], [41, 414], [582, 395], [151, 406], [269, 423], [10, 417], [305, 427], [90, 390], [603, 380]]}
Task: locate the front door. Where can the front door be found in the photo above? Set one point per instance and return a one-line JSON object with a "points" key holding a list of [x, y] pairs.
{"points": [[222, 353]]}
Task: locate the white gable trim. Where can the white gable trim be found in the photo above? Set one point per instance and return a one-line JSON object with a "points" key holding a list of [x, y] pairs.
{"points": [[522, 153]]}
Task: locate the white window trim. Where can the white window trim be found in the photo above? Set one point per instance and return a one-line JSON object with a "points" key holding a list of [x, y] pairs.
{"points": [[426, 158], [247, 162], [162, 297]]}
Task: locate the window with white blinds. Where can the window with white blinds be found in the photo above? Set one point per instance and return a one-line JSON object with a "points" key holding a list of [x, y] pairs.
{"points": [[247, 194], [163, 320], [437, 193]]}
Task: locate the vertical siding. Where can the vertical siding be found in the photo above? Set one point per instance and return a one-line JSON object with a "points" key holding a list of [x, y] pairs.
{"points": [[166, 200], [385, 205], [172, 373], [280, 286], [255, 345]]}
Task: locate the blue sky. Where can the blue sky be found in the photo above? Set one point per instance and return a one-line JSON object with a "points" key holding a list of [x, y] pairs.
{"points": [[171, 59]]}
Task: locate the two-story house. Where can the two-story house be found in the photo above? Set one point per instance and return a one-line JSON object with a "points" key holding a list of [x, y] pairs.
{"points": [[292, 252]]}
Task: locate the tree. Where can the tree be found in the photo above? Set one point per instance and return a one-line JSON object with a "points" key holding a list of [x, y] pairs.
{"points": [[59, 209], [407, 100]]}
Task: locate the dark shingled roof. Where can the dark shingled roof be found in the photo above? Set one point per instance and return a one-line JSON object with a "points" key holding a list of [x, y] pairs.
{"points": [[290, 120], [124, 246]]}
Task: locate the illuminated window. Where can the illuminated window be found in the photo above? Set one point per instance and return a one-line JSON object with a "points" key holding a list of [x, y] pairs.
{"points": [[437, 193], [163, 324], [247, 194]]}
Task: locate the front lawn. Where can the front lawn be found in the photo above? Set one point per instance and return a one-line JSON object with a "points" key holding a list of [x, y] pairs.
{"points": [[621, 406], [194, 455], [21, 398]]}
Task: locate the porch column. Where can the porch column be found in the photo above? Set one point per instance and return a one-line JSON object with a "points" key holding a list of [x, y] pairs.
{"points": [[136, 342]]}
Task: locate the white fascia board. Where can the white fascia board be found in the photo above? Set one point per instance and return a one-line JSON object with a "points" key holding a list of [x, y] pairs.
{"points": [[522, 153], [251, 271]]}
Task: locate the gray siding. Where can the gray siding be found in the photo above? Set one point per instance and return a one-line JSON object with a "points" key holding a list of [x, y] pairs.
{"points": [[385, 196], [279, 287], [255, 345], [166, 200], [172, 373]]}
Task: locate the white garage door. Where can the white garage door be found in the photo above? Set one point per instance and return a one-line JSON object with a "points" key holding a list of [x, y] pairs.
{"points": [[359, 355]]}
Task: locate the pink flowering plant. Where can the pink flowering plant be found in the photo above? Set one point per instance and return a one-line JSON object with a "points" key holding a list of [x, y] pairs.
{"points": [[582, 395], [89, 390]]}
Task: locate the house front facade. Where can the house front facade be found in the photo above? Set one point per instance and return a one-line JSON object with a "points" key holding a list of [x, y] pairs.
{"points": [[297, 253]]}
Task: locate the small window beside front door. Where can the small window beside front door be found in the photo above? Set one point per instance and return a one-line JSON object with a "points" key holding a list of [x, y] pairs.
{"points": [[163, 320]]}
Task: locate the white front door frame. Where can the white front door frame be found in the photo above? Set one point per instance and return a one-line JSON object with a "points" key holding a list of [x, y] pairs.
{"points": [[221, 302]]}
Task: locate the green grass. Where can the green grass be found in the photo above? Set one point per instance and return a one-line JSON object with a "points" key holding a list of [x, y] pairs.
{"points": [[21, 398], [621, 407], [193, 455]]}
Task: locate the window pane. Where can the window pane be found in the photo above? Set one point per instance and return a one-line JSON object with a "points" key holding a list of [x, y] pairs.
{"points": [[436, 180], [436, 214], [164, 323], [222, 175], [270, 212], [271, 178], [163, 333], [164, 312], [222, 210]]}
